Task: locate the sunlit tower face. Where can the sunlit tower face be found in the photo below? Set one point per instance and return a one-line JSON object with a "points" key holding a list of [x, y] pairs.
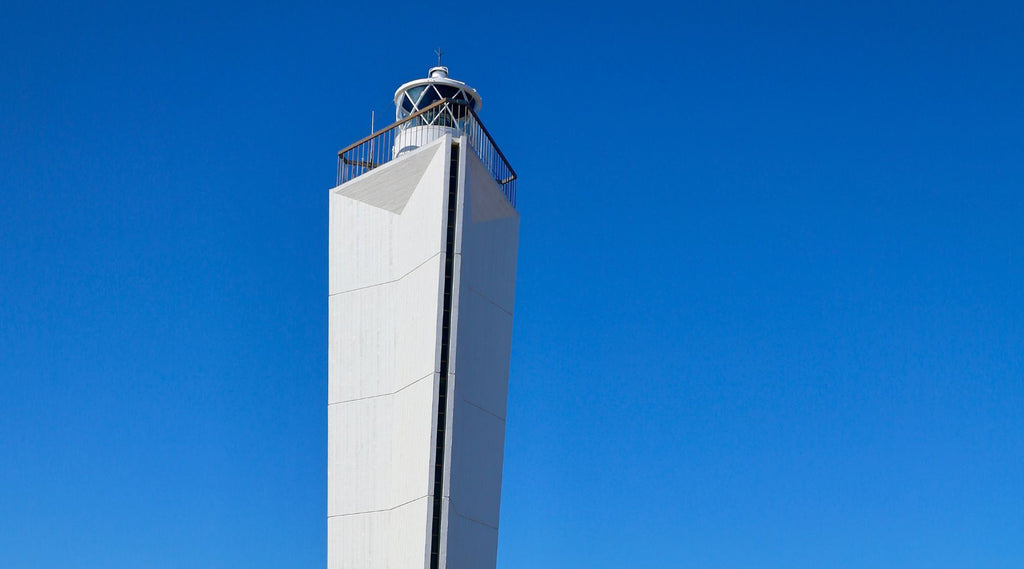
{"points": [[423, 243]]}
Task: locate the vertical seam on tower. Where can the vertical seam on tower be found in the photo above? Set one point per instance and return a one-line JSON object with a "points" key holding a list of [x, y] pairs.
{"points": [[442, 384]]}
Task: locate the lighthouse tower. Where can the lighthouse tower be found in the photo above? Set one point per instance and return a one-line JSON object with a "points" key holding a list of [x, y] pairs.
{"points": [[423, 241]]}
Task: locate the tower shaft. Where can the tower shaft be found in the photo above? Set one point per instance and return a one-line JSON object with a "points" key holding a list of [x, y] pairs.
{"points": [[421, 292]]}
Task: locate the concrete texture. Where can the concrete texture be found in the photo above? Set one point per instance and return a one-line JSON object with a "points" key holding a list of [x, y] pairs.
{"points": [[486, 248], [387, 238]]}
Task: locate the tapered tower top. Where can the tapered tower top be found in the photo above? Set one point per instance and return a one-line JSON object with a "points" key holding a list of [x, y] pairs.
{"points": [[426, 110], [419, 94]]}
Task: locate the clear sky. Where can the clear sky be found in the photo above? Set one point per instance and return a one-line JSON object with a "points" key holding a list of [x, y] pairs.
{"points": [[770, 307]]}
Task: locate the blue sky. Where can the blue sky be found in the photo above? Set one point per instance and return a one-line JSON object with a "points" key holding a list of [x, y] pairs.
{"points": [[770, 306]]}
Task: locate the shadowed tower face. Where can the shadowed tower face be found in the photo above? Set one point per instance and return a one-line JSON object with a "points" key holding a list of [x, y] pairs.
{"points": [[423, 241]]}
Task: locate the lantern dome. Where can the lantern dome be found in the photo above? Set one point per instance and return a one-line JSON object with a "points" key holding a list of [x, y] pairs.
{"points": [[421, 93]]}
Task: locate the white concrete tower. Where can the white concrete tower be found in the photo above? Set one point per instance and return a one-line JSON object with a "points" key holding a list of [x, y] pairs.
{"points": [[423, 241]]}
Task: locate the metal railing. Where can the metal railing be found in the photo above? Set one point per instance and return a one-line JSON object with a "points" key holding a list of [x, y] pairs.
{"points": [[422, 127]]}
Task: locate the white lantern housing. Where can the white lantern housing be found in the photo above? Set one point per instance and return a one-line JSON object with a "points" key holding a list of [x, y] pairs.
{"points": [[416, 96]]}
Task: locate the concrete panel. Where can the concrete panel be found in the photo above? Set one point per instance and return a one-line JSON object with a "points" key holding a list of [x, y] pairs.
{"points": [[482, 358], [412, 456], [370, 244], [396, 539], [359, 244], [422, 231], [489, 236], [384, 337], [390, 186], [471, 545], [359, 456], [379, 450], [478, 441], [409, 527], [357, 542]]}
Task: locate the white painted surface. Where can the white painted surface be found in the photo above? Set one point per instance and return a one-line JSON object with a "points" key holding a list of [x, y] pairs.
{"points": [[490, 236], [384, 337], [431, 79], [387, 231], [382, 540], [478, 438], [381, 448], [386, 240], [413, 137], [486, 250], [473, 545], [385, 223], [482, 359]]}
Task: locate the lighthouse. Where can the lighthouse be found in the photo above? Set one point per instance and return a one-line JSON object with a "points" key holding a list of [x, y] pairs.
{"points": [[423, 244]]}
